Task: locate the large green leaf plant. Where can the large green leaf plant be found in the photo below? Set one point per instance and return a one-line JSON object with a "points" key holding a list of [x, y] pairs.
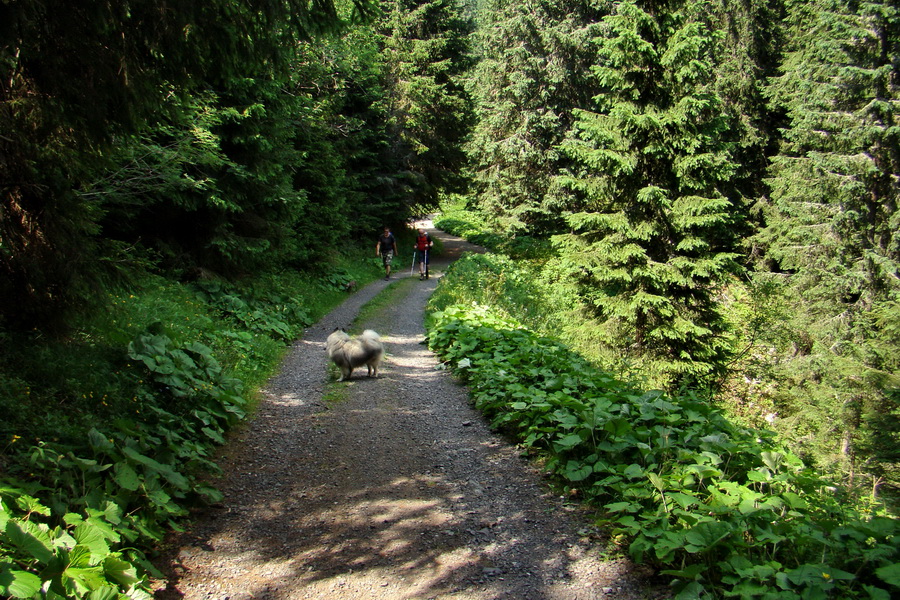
{"points": [[720, 508]]}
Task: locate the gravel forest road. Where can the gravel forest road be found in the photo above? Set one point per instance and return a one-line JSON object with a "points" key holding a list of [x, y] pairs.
{"points": [[386, 489]]}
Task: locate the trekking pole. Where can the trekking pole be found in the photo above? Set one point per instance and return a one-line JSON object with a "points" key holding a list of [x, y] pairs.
{"points": [[426, 263], [413, 265]]}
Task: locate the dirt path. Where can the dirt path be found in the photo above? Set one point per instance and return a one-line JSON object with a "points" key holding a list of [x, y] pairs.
{"points": [[383, 489]]}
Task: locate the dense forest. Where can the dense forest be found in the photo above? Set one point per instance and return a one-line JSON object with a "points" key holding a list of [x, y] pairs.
{"points": [[719, 183], [701, 194]]}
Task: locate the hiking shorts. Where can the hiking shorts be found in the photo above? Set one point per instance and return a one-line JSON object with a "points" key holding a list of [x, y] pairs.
{"points": [[387, 257], [422, 257]]}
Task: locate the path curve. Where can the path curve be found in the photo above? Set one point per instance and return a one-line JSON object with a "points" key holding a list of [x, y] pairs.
{"points": [[394, 489]]}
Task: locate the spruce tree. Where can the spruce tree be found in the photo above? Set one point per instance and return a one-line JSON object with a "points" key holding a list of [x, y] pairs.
{"points": [[76, 79], [533, 70], [651, 208], [747, 53], [251, 178], [832, 221], [425, 52]]}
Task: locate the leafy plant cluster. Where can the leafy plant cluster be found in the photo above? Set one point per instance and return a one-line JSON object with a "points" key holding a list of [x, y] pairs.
{"points": [[71, 531], [110, 434], [74, 558], [508, 285], [339, 279], [719, 507], [280, 317], [534, 294]]}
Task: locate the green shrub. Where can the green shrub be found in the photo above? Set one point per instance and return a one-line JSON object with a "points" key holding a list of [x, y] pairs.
{"points": [[108, 435], [279, 317], [537, 297], [719, 507], [125, 482], [71, 559], [475, 228]]}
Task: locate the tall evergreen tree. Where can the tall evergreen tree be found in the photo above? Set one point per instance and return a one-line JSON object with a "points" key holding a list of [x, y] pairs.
{"points": [[76, 78], [250, 226], [651, 210], [425, 52], [342, 134], [250, 178], [833, 219], [533, 70], [745, 55]]}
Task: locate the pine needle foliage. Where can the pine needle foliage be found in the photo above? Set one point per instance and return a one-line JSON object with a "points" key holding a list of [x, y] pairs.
{"points": [[426, 51], [831, 225], [533, 70], [78, 80], [651, 210]]}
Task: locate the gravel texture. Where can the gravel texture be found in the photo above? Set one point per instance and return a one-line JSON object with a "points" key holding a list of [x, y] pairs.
{"points": [[388, 488]]}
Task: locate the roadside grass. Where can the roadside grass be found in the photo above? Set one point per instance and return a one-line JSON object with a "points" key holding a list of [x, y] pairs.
{"points": [[373, 309], [334, 394], [457, 220]]}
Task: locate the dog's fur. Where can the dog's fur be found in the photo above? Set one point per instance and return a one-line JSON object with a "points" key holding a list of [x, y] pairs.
{"points": [[349, 353]]}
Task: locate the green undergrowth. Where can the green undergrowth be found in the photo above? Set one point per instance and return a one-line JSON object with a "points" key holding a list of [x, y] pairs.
{"points": [[108, 436], [458, 220], [334, 394], [528, 291], [519, 277], [720, 508]]}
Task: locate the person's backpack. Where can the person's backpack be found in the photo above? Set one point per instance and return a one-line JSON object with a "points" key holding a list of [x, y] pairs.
{"points": [[422, 242]]}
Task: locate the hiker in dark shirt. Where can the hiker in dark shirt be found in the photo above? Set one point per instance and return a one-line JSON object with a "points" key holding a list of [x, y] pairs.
{"points": [[387, 248]]}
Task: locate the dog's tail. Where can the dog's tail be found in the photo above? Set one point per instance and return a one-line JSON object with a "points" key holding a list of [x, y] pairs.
{"points": [[370, 335]]}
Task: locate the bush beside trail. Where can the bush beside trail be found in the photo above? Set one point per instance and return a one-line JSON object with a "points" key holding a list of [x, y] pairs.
{"points": [[718, 507], [116, 441]]}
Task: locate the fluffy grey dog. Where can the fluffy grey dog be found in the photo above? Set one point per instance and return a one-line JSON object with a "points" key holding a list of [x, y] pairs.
{"points": [[348, 353]]}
